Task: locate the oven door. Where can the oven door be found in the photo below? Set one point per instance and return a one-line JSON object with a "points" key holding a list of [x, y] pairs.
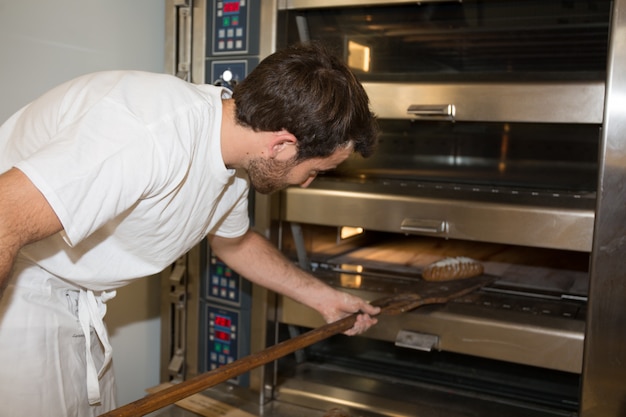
{"points": [[530, 61]]}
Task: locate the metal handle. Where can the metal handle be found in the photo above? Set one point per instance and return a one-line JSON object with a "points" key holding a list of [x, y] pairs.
{"points": [[432, 111], [424, 226], [183, 65]]}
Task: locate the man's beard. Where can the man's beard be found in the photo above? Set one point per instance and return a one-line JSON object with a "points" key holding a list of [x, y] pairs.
{"points": [[269, 175]]}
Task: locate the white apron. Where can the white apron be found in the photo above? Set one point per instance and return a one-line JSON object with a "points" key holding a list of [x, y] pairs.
{"points": [[47, 366]]}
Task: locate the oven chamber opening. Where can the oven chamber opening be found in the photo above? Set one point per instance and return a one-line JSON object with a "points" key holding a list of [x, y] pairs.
{"points": [[514, 347], [514, 158], [453, 41]]}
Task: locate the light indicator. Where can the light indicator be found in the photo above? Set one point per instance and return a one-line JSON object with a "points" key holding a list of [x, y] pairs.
{"points": [[231, 7]]}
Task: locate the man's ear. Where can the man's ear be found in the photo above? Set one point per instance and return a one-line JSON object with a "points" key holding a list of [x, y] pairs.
{"points": [[282, 145]]}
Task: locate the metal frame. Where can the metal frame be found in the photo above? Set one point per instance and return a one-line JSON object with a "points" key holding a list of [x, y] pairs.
{"points": [[604, 369]]}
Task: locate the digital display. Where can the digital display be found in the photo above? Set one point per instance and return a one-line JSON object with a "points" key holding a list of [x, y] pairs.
{"points": [[223, 336], [222, 321], [232, 7]]}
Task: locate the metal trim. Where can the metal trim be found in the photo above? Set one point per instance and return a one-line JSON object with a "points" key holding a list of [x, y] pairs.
{"points": [[560, 228], [317, 4], [575, 102], [603, 388]]}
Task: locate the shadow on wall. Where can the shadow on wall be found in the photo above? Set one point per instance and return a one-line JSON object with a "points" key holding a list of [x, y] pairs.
{"points": [[134, 303]]}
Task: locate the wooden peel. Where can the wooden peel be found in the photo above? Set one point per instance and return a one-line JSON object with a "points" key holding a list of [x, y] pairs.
{"points": [[421, 294]]}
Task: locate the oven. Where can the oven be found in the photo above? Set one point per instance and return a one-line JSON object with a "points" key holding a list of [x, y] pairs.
{"points": [[494, 120], [501, 140]]}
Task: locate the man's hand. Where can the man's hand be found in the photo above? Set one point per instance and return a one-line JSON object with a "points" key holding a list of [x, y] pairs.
{"points": [[344, 304], [25, 217], [255, 258]]}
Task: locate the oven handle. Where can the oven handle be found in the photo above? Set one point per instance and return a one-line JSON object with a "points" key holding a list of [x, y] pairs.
{"points": [[424, 226], [432, 111]]}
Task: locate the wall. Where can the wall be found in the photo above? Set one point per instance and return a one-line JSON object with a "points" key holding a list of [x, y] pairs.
{"points": [[43, 43]]}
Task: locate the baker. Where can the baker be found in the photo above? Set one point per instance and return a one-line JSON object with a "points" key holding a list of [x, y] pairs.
{"points": [[114, 175]]}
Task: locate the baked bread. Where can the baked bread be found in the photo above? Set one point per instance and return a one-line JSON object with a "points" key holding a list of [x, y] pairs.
{"points": [[452, 268]]}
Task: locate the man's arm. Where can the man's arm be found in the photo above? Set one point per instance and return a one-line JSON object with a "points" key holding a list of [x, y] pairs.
{"points": [[25, 217], [255, 258]]}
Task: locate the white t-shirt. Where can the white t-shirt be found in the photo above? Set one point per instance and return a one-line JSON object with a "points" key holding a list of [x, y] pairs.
{"points": [[131, 164]]}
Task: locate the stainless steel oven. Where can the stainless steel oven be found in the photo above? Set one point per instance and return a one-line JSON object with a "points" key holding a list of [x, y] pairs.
{"points": [[502, 140], [495, 121]]}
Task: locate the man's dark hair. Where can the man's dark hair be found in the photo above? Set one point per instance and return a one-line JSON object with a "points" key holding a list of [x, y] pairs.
{"points": [[310, 93]]}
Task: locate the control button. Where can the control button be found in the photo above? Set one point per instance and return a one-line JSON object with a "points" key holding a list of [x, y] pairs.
{"points": [[238, 44], [229, 44], [221, 33], [227, 76], [230, 33], [239, 32]]}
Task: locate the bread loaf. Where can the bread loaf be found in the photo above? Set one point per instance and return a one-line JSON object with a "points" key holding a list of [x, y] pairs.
{"points": [[452, 268]]}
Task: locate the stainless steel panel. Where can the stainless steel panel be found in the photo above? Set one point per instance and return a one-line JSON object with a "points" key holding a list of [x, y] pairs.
{"points": [[576, 102], [537, 226], [604, 373], [312, 4], [368, 398], [547, 342]]}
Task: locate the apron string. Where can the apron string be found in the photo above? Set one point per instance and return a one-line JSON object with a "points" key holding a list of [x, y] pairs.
{"points": [[91, 310]]}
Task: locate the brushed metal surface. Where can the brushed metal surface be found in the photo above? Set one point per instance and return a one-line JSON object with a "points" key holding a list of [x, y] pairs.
{"points": [[524, 338], [604, 373], [312, 4], [554, 102], [517, 224]]}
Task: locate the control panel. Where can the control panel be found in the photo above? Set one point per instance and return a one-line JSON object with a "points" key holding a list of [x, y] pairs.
{"points": [[232, 40], [232, 51], [231, 26], [225, 322], [224, 284], [223, 326]]}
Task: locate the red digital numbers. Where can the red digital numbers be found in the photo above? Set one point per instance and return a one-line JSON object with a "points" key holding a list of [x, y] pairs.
{"points": [[222, 321], [223, 336], [231, 7]]}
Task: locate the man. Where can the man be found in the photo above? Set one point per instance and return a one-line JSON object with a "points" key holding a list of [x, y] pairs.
{"points": [[114, 175]]}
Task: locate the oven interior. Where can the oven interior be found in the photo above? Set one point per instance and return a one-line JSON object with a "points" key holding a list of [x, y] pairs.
{"points": [[474, 40], [527, 157], [538, 290]]}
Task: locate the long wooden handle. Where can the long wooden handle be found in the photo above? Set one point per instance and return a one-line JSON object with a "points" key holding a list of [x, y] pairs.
{"points": [[395, 304], [206, 380]]}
